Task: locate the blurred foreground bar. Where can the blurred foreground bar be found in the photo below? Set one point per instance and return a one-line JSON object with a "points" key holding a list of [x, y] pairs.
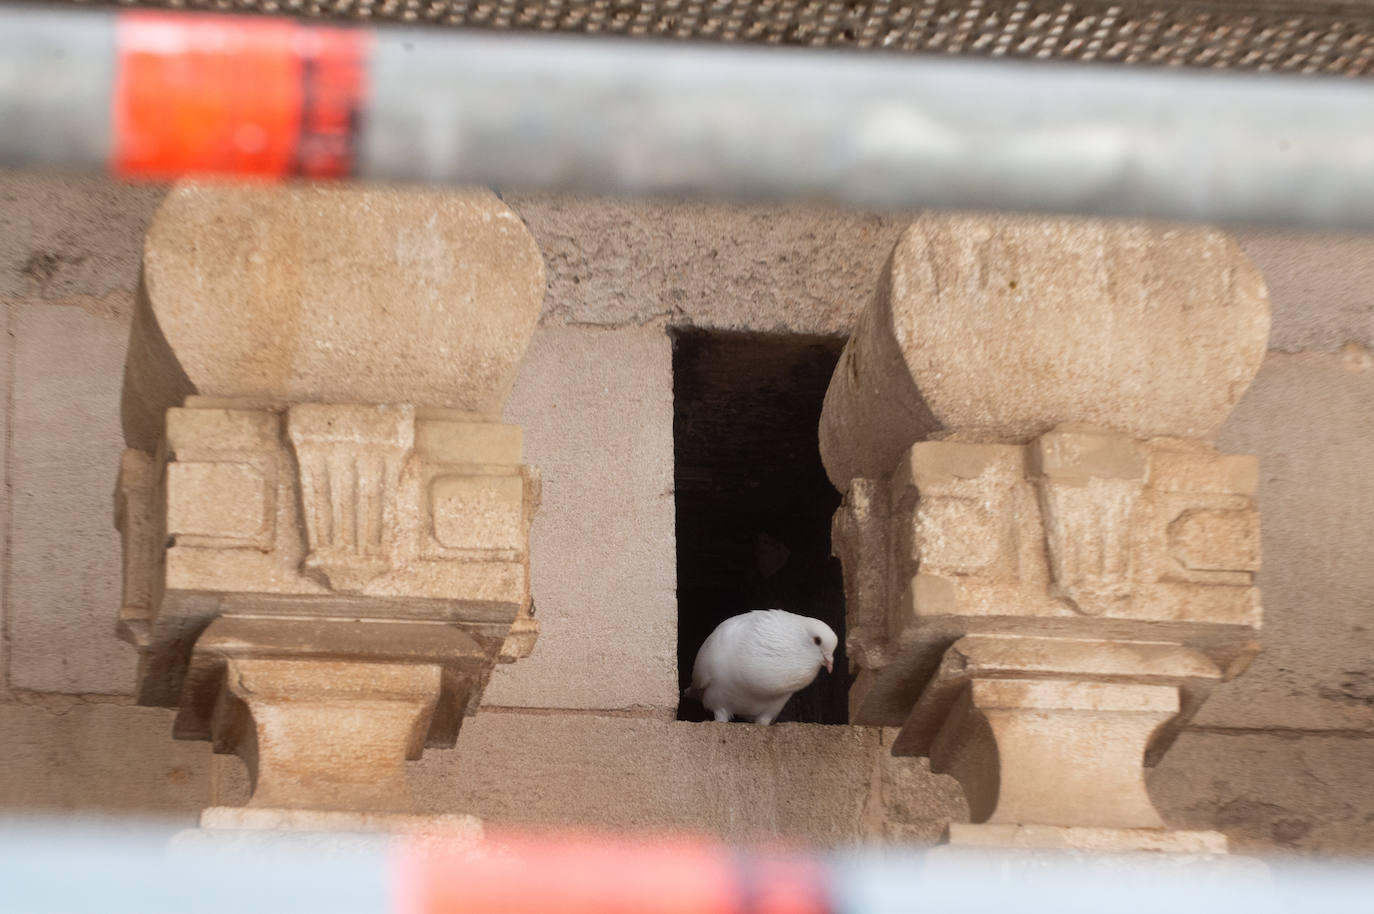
{"points": [[58, 867], [160, 95]]}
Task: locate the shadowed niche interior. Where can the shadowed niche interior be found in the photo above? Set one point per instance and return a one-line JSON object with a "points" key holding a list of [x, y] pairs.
{"points": [[753, 501]]}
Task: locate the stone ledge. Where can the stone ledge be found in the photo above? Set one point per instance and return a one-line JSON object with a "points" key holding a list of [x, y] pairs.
{"points": [[1105, 840], [312, 820]]}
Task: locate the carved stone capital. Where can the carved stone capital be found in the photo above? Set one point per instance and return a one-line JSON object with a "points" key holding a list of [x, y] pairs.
{"points": [[1047, 565], [325, 523]]}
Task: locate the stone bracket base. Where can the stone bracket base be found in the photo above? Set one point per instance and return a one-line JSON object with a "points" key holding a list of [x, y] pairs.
{"points": [[1101, 840]]}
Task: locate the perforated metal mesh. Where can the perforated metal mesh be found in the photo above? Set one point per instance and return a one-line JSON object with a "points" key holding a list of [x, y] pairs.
{"points": [[1290, 37]]}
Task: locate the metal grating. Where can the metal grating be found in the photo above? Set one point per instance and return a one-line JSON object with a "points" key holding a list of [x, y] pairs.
{"points": [[1289, 37]]}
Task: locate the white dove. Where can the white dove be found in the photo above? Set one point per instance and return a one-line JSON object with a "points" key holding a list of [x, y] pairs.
{"points": [[752, 663]]}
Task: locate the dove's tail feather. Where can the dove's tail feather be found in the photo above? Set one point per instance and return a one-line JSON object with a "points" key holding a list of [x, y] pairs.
{"points": [[693, 692]]}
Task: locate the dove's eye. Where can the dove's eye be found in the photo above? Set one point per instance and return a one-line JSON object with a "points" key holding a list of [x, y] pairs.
{"points": [[816, 640]]}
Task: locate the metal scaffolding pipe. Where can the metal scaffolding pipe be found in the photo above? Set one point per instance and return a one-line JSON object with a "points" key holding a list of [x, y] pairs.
{"points": [[160, 95]]}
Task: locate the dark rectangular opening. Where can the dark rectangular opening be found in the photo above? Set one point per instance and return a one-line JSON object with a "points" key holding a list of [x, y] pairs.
{"points": [[753, 501]]}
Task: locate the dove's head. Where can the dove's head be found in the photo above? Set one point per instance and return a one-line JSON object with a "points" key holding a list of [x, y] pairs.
{"points": [[823, 639]]}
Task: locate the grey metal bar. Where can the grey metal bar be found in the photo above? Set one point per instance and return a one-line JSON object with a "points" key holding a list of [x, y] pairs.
{"points": [[887, 132], [869, 130], [57, 73]]}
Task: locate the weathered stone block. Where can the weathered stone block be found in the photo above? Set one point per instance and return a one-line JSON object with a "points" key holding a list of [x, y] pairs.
{"points": [[946, 487], [1077, 457], [446, 440], [603, 541], [1178, 466], [633, 261], [478, 512], [219, 501], [205, 430], [977, 546], [142, 536], [860, 535], [1210, 540], [946, 466], [325, 711]]}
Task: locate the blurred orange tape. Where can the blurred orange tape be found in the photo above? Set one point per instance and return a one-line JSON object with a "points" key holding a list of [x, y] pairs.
{"points": [[236, 96], [594, 875]]}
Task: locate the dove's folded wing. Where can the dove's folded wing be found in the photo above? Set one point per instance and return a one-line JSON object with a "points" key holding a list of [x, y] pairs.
{"points": [[718, 651]]}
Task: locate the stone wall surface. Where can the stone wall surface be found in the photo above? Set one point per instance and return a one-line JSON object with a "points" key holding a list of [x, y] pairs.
{"points": [[610, 262], [596, 407], [5, 501], [1272, 792], [62, 236], [1322, 287], [725, 268], [809, 784], [64, 446], [1310, 419], [96, 758], [1279, 759]]}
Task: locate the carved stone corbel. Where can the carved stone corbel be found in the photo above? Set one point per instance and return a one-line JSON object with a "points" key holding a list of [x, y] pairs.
{"points": [[325, 522], [1047, 565]]}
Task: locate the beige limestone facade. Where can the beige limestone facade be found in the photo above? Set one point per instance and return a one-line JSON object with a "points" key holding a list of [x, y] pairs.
{"points": [[583, 730]]}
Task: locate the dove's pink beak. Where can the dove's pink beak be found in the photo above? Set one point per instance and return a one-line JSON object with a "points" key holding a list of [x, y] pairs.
{"points": [[829, 664]]}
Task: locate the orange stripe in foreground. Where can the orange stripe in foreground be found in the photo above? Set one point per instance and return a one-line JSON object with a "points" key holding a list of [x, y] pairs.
{"points": [[584, 874], [235, 96]]}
